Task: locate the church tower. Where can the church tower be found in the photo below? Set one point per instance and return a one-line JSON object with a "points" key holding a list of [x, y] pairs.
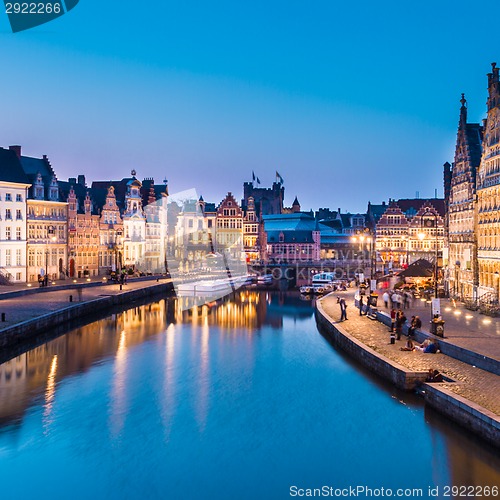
{"points": [[460, 194]]}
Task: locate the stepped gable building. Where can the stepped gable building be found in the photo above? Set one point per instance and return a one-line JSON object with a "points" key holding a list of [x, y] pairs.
{"points": [[14, 185], [138, 239], [110, 235], [251, 232], [229, 227], [47, 220], [460, 194], [83, 236], [83, 228], [267, 201], [488, 194], [409, 230]]}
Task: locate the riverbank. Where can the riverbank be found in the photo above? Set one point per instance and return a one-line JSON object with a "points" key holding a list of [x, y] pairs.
{"points": [[28, 315], [469, 396]]}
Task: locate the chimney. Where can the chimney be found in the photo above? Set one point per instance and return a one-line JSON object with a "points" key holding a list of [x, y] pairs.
{"points": [[16, 149], [81, 180], [72, 180]]}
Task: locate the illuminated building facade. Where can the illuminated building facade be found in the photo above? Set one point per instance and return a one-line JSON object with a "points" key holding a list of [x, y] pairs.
{"points": [[488, 195], [47, 221], [14, 186], [461, 235], [83, 237], [110, 235], [229, 227], [409, 230]]}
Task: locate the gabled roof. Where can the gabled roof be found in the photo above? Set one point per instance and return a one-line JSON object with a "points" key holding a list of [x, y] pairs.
{"points": [[412, 206], [474, 134], [81, 193], [290, 236], [11, 169], [289, 222], [33, 166]]}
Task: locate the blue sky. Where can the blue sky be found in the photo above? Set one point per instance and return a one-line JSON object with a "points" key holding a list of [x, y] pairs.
{"points": [[349, 102]]}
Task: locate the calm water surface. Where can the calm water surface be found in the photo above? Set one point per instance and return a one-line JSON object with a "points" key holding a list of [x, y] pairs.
{"points": [[240, 399]]}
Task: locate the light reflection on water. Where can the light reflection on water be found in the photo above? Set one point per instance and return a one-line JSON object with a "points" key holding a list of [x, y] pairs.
{"points": [[240, 398]]}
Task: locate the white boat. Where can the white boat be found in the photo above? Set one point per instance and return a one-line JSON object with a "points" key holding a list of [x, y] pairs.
{"points": [[323, 279], [265, 279]]}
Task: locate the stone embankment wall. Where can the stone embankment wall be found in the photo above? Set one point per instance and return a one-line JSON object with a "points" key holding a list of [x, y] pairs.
{"points": [[462, 411], [400, 376], [29, 328], [453, 351]]}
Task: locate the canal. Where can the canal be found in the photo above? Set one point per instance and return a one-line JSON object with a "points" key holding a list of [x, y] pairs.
{"points": [[241, 398]]}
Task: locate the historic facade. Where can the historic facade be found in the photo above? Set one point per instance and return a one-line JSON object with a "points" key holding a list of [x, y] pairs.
{"points": [[251, 232], [47, 221], [290, 238], [134, 224], [110, 235], [83, 237], [229, 227], [461, 193], [488, 195], [409, 230], [14, 186]]}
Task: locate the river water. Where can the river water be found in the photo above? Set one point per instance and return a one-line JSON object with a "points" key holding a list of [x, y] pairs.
{"points": [[242, 398]]}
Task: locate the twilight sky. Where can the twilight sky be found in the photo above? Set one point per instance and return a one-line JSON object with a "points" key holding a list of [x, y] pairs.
{"points": [[349, 101]]}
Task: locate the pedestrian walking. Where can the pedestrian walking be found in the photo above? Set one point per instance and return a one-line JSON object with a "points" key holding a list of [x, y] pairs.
{"points": [[386, 299]]}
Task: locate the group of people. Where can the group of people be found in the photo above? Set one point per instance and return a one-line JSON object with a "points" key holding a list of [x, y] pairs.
{"points": [[428, 346], [397, 300], [43, 280]]}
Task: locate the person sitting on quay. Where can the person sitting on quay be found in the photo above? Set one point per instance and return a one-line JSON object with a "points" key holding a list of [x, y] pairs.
{"points": [[409, 345], [416, 324], [428, 347], [434, 376]]}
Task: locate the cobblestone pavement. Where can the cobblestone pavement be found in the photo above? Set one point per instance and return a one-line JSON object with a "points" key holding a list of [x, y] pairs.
{"points": [[25, 307], [465, 328], [476, 385]]}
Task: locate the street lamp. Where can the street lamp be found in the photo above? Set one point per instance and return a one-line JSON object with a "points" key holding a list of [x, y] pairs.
{"points": [[369, 238], [497, 285], [422, 235]]}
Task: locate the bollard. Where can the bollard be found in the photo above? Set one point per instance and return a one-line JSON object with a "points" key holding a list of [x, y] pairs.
{"points": [[120, 287], [3, 317], [71, 298]]}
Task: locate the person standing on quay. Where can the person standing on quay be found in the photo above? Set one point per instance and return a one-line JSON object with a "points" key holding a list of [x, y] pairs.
{"points": [[393, 319], [343, 308], [400, 321], [361, 305]]}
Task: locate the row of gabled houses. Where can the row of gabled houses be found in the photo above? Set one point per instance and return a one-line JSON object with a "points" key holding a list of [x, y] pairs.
{"points": [[57, 229]]}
